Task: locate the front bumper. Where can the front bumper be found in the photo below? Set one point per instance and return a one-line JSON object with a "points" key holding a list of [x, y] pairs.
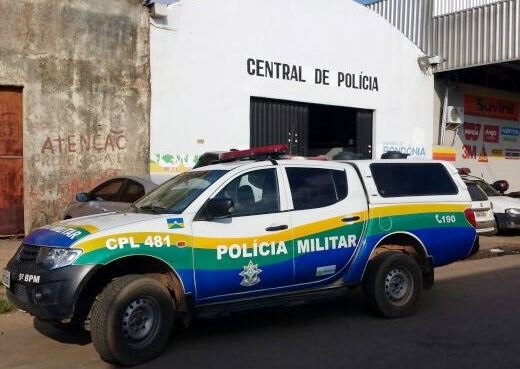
{"points": [[48, 295], [508, 221]]}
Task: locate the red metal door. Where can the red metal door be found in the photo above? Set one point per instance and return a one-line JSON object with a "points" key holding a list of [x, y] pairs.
{"points": [[11, 161]]}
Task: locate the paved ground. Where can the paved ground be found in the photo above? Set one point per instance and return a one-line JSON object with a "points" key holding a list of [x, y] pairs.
{"points": [[468, 320]]}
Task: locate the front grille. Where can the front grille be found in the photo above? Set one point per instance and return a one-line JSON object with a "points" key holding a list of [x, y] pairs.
{"points": [[27, 255]]}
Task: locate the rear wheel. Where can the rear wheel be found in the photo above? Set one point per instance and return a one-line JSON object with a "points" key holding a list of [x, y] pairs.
{"points": [[131, 320], [393, 285]]}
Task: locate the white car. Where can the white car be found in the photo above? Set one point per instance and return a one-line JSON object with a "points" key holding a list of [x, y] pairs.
{"points": [[505, 208], [483, 208]]}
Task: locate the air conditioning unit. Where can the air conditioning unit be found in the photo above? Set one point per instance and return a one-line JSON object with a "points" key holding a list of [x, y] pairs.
{"points": [[455, 115], [158, 10]]}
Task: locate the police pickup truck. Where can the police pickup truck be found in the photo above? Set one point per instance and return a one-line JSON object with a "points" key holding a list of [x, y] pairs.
{"points": [[255, 229]]}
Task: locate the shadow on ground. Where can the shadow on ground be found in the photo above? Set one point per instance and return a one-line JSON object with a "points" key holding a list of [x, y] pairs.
{"points": [[63, 334]]}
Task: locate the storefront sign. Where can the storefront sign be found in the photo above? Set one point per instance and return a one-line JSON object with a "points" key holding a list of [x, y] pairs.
{"points": [[471, 131], [469, 152], [510, 134], [413, 151], [491, 133], [319, 76], [512, 154], [444, 153], [483, 158], [497, 153], [491, 107]]}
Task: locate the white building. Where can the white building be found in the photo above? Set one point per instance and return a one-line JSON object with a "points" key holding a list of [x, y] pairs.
{"points": [[322, 77]]}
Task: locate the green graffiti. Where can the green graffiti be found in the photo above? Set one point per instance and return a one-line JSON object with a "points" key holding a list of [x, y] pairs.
{"points": [[167, 158]]}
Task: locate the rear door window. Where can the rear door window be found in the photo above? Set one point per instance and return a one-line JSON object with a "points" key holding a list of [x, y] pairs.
{"points": [[417, 179], [316, 187]]}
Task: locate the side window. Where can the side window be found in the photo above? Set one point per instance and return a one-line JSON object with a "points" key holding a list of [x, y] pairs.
{"points": [[132, 192], [316, 187], [253, 193], [108, 191], [412, 179]]}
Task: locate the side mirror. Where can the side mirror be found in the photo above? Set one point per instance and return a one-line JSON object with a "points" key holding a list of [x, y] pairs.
{"points": [[501, 186], [82, 197], [220, 208]]}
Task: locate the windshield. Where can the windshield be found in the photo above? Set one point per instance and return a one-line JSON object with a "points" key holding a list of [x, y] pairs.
{"points": [[179, 192], [487, 188]]}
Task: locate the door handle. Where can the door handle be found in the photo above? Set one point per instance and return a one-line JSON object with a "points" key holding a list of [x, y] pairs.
{"points": [[277, 228], [350, 219]]}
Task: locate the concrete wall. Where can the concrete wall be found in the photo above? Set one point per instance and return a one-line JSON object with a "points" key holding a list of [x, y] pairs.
{"points": [[84, 69]]}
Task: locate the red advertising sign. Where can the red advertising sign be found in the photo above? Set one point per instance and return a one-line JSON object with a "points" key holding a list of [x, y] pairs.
{"points": [[491, 133], [483, 158], [491, 107], [471, 131]]}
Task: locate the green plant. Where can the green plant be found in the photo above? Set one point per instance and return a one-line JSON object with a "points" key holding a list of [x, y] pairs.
{"points": [[5, 305]]}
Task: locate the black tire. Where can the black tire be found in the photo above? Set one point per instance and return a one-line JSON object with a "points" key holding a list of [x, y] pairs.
{"points": [[497, 227], [495, 232], [393, 285], [131, 320]]}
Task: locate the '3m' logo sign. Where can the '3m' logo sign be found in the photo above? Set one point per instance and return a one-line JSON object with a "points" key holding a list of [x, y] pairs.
{"points": [[471, 131]]}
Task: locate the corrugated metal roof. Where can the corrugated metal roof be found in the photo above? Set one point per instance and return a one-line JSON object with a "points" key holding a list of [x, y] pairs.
{"points": [[442, 7], [477, 32]]}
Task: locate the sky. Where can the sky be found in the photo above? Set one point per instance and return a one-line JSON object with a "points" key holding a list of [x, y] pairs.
{"points": [[359, 1]]}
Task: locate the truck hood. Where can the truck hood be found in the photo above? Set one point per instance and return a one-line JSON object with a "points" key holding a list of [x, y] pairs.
{"points": [[501, 203], [68, 232]]}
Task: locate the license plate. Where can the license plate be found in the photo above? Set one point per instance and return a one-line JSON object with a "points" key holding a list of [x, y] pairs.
{"points": [[480, 214], [6, 278]]}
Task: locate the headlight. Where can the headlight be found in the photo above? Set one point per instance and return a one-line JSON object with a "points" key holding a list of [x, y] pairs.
{"points": [[513, 211], [53, 258]]}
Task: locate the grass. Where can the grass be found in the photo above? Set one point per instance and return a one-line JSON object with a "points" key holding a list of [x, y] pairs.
{"points": [[5, 305]]}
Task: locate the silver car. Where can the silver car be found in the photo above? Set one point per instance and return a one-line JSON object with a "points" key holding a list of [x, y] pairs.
{"points": [[115, 194]]}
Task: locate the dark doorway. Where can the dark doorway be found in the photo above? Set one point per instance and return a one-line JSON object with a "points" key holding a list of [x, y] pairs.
{"points": [[11, 161], [312, 129]]}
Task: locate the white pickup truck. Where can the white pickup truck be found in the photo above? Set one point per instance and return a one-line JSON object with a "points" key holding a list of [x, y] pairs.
{"points": [[254, 230]]}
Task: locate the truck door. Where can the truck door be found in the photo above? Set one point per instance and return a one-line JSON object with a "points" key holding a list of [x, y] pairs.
{"points": [[251, 251], [328, 219]]}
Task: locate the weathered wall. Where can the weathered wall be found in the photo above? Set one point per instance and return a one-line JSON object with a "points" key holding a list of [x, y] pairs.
{"points": [[84, 69]]}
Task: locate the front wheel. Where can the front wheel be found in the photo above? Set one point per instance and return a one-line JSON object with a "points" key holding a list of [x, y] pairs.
{"points": [[393, 285], [131, 320]]}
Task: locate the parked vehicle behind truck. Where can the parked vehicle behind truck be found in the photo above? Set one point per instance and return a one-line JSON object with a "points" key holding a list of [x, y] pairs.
{"points": [[253, 230], [506, 209]]}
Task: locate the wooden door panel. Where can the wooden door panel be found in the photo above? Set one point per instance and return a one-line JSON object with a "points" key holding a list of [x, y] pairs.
{"points": [[11, 161]]}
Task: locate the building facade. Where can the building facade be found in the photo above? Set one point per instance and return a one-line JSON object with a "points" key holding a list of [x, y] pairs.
{"points": [[476, 44], [333, 80], [74, 102]]}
